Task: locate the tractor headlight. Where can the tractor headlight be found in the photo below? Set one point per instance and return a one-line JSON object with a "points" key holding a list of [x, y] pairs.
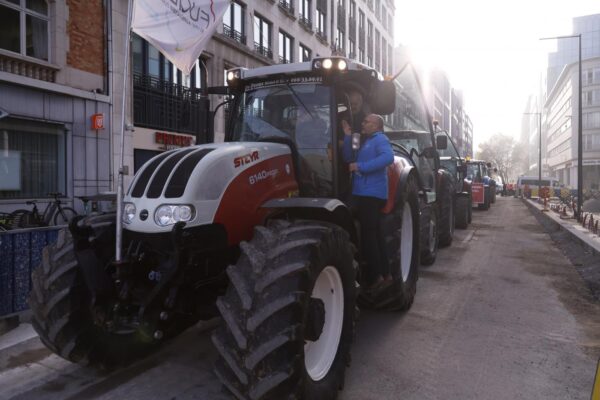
{"points": [[327, 63], [169, 214], [128, 213]]}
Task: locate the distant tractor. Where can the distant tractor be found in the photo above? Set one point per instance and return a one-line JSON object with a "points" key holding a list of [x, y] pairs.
{"points": [[483, 189], [456, 166], [255, 229]]}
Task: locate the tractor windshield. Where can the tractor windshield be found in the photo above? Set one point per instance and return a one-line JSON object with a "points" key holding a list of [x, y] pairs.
{"points": [[299, 112], [291, 112]]}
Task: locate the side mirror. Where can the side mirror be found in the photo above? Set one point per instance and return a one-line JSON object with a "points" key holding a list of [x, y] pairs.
{"points": [[496, 170], [382, 99], [441, 142], [489, 165]]}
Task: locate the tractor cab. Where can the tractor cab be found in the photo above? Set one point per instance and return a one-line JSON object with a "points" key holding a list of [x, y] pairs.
{"points": [[302, 105]]}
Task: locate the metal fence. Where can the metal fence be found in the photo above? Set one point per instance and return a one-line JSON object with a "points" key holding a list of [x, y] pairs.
{"points": [[20, 253]]}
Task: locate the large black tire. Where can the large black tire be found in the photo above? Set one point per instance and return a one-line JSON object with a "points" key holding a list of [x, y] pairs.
{"points": [[271, 317], [62, 315], [447, 213], [470, 209], [63, 218], [401, 230], [430, 249], [463, 206]]}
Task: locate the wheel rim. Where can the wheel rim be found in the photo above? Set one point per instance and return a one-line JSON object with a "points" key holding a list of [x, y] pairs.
{"points": [[320, 354], [406, 242], [432, 228]]}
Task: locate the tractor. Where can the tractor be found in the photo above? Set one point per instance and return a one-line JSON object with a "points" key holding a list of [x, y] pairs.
{"points": [[257, 230], [483, 188], [451, 161]]}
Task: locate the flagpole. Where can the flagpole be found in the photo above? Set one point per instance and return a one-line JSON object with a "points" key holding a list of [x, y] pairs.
{"points": [[119, 233]]}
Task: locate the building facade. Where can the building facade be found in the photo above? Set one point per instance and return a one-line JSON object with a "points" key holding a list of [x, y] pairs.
{"points": [[561, 115], [56, 95]]}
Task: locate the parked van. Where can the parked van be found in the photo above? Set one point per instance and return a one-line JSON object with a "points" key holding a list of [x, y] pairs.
{"points": [[531, 183]]}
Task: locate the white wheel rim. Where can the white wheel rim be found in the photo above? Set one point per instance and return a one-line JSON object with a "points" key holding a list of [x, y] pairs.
{"points": [[319, 355], [432, 228], [406, 242]]}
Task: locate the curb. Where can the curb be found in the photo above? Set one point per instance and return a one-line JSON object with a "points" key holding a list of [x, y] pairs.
{"points": [[578, 237]]}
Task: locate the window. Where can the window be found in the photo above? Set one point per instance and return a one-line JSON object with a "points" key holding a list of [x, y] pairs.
{"points": [[321, 17], [32, 159], [351, 48], [361, 55], [305, 53], [24, 27], [262, 36], [361, 20], [590, 76], [369, 43], [377, 9], [305, 12], [352, 9], [233, 22], [285, 48], [286, 5], [339, 39], [591, 120], [591, 97]]}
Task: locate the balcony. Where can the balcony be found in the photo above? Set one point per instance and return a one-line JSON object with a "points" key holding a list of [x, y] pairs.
{"points": [[283, 60], [337, 50], [305, 23], [163, 105], [35, 69], [286, 7], [262, 50], [233, 34]]}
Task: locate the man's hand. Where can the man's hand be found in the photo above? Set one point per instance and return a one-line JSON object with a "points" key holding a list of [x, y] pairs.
{"points": [[353, 167], [346, 127]]}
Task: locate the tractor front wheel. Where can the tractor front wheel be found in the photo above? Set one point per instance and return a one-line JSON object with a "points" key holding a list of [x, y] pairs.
{"points": [[288, 313]]}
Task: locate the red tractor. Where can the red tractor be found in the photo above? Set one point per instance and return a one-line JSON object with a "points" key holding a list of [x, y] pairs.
{"points": [[255, 229]]}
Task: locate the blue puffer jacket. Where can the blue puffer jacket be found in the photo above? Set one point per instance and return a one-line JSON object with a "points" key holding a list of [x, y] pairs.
{"points": [[374, 155]]}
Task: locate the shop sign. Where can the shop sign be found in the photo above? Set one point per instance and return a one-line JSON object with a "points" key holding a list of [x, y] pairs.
{"points": [[172, 141], [477, 193], [98, 121]]}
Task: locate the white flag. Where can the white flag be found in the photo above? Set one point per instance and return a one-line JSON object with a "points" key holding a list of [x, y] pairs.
{"points": [[179, 29]]}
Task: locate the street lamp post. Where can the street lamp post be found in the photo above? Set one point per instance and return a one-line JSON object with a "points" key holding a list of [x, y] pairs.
{"points": [[579, 129], [539, 114]]}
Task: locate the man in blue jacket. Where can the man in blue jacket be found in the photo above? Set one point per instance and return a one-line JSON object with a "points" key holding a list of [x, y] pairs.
{"points": [[370, 192]]}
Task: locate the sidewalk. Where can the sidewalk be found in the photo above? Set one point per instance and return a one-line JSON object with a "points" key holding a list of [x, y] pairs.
{"points": [[570, 225], [578, 244]]}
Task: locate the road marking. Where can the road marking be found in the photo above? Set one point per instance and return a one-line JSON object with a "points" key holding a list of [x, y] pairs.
{"points": [[596, 389]]}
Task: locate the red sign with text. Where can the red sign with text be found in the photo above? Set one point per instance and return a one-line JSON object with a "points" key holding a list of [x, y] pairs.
{"points": [[477, 193], [98, 121]]}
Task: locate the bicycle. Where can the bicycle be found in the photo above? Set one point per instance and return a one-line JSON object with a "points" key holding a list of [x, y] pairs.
{"points": [[54, 212]]}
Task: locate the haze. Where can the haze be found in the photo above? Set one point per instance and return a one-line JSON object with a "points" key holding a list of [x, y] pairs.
{"points": [[490, 50]]}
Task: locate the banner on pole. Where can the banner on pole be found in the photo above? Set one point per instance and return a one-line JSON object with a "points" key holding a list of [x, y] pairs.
{"points": [[180, 29]]}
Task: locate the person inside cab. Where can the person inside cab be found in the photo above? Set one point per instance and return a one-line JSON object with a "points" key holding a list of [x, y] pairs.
{"points": [[368, 166]]}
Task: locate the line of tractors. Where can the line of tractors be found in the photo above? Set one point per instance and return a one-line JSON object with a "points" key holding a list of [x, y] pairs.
{"points": [[257, 230]]}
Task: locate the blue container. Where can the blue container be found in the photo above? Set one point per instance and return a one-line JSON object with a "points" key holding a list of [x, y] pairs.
{"points": [[20, 253]]}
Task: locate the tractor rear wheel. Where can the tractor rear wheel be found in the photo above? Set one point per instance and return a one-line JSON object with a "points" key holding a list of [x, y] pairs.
{"points": [[447, 215], [63, 314], [462, 212], [430, 250], [288, 313], [402, 242]]}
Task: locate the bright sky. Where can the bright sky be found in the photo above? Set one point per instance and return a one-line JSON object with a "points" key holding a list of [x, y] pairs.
{"points": [[489, 49]]}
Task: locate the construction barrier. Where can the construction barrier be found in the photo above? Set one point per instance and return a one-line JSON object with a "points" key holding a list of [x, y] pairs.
{"points": [[20, 253]]}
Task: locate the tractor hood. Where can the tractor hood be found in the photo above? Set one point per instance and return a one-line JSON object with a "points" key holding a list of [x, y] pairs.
{"points": [[188, 184]]}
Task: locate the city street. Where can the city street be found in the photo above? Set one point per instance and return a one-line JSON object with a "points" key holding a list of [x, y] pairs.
{"points": [[502, 314]]}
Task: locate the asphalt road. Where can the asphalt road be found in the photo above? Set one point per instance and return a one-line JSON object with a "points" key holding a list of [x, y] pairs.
{"points": [[502, 314]]}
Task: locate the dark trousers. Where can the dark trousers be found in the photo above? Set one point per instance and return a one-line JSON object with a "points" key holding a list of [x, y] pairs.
{"points": [[372, 241]]}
